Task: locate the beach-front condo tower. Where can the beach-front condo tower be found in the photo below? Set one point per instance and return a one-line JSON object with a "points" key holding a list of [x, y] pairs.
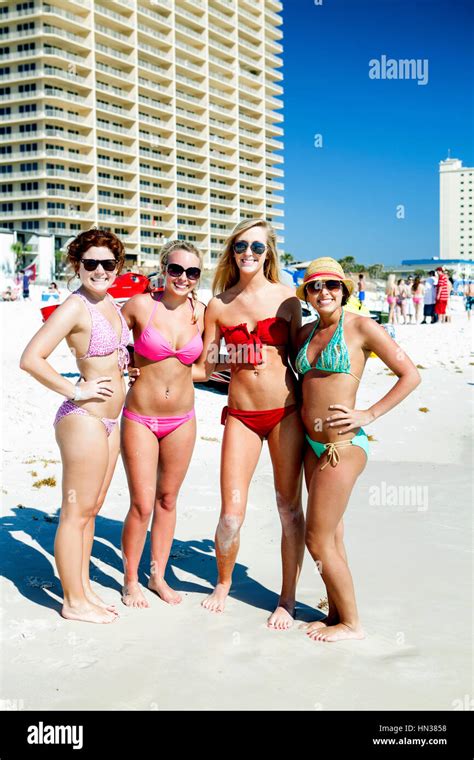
{"points": [[456, 199], [152, 118]]}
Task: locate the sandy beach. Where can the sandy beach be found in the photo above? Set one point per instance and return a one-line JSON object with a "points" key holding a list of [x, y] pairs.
{"points": [[407, 535]]}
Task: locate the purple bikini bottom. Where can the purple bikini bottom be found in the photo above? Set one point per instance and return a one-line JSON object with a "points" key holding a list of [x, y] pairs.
{"points": [[69, 407]]}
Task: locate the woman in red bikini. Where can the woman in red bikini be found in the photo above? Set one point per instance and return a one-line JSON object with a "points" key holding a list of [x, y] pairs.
{"points": [[86, 423], [259, 319], [158, 419]]}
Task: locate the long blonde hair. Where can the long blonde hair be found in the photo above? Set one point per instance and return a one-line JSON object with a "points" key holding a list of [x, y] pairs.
{"points": [[227, 272], [391, 285], [181, 245]]}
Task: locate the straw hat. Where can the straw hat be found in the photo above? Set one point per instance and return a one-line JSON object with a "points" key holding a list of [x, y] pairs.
{"points": [[324, 268]]}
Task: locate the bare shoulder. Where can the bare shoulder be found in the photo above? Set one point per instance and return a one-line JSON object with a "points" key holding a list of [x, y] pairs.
{"points": [[214, 307], [286, 290], [366, 328], [137, 304], [71, 309], [72, 305], [200, 308]]}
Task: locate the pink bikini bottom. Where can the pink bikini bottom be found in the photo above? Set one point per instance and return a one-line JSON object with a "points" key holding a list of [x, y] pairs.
{"points": [[160, 426], [69, 407]]}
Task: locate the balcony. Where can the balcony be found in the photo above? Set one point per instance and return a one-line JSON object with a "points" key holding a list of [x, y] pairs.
{"points": [[54, 71], [154, 51], [114, 72], [58, 32], [117, 17], [191, 180], [66, 174], [153, 33], [67, 213], [250, 75], [190, 32], [158, 17], [107, 145], [198, 20], [113, 33], [115, 110], [55, 11]]}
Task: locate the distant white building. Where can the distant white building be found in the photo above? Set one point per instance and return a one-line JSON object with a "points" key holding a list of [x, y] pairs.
{"points": [[456, 192]]}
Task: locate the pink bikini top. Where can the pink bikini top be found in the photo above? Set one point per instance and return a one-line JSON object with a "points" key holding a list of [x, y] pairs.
{"points": [[104, 340], [153, 345]]}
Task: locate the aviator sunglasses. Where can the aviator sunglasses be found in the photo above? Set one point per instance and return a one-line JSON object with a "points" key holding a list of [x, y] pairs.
{"points": [[176, 270], [256, 247], [107, 264], [317, 285]]}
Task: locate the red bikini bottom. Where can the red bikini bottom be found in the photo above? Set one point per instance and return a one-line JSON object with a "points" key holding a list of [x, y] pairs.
{"points": [[261, 422]]}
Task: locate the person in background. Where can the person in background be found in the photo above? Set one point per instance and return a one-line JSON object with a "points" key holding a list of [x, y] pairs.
{"points": [[391, 292], [450, 303], [410, 307], [469, 298], [361, 288], [53, 291], [402, 295], [9, 294], [418, 291], [430, 299], [25, 281], [442, 294]]}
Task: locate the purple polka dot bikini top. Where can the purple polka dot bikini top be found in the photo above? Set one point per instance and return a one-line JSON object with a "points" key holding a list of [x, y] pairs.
{"points": [[104, 340]]}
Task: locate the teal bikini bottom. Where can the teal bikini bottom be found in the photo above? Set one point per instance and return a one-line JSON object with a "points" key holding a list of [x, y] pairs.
{"points": [[360, 439]]}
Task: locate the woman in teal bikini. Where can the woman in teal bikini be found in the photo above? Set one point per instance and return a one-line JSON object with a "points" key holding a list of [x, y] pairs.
{"points": [[330, 362]]}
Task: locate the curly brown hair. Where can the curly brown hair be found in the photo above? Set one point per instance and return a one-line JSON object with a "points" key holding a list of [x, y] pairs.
{"points": [[95, 237]]}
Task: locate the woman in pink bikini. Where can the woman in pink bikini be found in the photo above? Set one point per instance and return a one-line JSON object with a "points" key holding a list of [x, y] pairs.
{"points": [[158, 419], [86, 423], [418, 291], [259, 319]]}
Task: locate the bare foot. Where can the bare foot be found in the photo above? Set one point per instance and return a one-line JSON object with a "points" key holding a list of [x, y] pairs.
{"points": [[282, 618], [215, 602], [337, 632], [132, 595], [87, 613], [160, 587], [92, 597], [318, 624]]}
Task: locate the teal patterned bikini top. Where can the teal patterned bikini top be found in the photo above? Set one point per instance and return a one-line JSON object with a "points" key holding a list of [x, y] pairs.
{"points": [[333, 358]]}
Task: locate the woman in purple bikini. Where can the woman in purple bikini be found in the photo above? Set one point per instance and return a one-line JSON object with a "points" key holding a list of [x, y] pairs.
{"points": [[159, 425], [86, 422]]}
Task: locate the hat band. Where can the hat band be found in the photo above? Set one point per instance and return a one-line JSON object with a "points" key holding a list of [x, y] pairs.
{"points": [[318, 275]]}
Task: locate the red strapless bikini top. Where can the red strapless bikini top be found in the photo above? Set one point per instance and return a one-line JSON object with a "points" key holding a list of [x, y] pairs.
{"points": [[273, 331]]}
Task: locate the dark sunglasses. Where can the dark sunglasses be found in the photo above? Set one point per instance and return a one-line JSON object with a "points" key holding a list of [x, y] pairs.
{"points": [[256, 247], [107, 264], [176, 270], [317, 285]]}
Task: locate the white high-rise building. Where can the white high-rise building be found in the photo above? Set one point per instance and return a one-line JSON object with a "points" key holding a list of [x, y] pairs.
{"points": [[456, 194], [152, 118]]}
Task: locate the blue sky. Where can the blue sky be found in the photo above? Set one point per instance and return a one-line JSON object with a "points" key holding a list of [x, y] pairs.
{"points": [[382, 139]]}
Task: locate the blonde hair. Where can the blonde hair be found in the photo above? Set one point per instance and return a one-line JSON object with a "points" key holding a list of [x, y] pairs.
{"points": [[227, 272], [391, 284], [181, 245]]}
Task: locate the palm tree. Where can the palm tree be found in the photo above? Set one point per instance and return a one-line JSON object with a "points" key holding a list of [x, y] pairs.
{"points": [[20, 250], [286, 258]]}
